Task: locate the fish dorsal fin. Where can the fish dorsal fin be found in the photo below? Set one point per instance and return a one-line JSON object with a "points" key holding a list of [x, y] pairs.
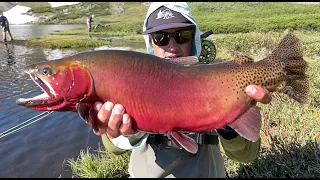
{"points": [[243, 59], [184, 141], [185, 61], [85, 111], [248, 125]]}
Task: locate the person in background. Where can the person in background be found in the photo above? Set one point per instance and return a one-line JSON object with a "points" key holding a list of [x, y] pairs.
{"points": [[170, 31], [5, 27], [89, 22]]}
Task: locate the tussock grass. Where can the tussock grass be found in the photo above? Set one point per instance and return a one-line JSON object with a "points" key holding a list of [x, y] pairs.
{"points": [[100, 164], [62, 42], [290, 143], [260, 44], [233, 17], [81, 31]]}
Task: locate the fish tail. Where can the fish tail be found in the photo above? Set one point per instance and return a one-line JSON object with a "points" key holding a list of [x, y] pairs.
{"points": [[296, 84]]}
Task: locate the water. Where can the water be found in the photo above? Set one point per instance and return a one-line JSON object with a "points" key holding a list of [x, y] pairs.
{"points": [[40, 149], [26, 31]]}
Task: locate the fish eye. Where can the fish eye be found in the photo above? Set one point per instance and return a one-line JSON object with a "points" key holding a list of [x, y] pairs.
{"points": [[46, 71]]}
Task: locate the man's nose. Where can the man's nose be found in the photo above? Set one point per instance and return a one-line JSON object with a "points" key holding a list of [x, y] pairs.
{"points": [[173, 46]]}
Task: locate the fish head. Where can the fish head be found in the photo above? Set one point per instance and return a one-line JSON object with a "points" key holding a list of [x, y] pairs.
{"points": [[64, 82]]}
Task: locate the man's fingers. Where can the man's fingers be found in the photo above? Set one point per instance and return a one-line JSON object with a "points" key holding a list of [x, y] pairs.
{"points": [[112, 120], [103, 115], [105, 112], [115, 121], [102, 128], [126, 127], [259, 94], [97, 106]]}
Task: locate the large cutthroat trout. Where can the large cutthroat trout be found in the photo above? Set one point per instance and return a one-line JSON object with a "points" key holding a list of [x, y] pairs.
{"points": [[167, 97]]}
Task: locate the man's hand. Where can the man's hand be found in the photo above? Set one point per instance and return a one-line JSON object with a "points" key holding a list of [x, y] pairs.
{"points": [[112, 120], [259, 94]]}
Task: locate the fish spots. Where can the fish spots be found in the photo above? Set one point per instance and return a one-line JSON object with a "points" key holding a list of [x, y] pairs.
{"points": [[243, 59], [284, 67]]}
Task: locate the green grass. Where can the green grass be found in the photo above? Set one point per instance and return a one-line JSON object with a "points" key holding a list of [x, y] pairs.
{"points": [[220, 17], [290, 142], [34, 4], [233, 17], [100, 164], [259, 44], [44, 9], [104, 12], [65, 42], [82, 31]]}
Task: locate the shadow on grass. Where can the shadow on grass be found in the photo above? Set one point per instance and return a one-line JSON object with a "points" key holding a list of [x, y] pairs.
{"points": [[283, 161]]}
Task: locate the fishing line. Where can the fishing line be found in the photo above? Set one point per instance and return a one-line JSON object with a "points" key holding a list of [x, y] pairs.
{"points": [[24, 124]]}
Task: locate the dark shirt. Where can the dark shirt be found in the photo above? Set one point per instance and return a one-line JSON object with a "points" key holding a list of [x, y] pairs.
{"points": [[3, 21]]}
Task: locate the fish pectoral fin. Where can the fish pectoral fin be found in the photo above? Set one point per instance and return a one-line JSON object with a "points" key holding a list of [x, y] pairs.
{"points": [[85, 111], [248, 125], [175, 142], [184, 141], [243, 59]]}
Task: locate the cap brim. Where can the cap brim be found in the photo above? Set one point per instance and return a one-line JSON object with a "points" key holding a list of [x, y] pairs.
{"points": [[167, 26]]}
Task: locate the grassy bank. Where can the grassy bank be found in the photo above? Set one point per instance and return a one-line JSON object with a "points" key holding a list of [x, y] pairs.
{"points": [[234, 17], [221, 17], [101, 164], [104, 12], [65, 42]]}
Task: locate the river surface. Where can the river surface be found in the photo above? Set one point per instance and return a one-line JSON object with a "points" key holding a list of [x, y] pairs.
{"points": [[40, 149]]}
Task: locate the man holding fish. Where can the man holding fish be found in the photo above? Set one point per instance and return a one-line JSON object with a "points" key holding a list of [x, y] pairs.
{"points": [[170, 32], [170, 111]]}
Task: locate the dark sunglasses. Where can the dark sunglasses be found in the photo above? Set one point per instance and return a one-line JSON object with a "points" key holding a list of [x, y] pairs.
{"points": [[181, 37]]}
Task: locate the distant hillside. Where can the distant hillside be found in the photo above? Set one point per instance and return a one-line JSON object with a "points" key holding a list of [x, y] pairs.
{"points": [[5, 6], [34, 4], [76, 13], [220, 17]]}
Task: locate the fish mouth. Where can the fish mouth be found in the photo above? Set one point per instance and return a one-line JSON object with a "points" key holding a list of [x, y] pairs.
{"points": [[47, 100]]}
